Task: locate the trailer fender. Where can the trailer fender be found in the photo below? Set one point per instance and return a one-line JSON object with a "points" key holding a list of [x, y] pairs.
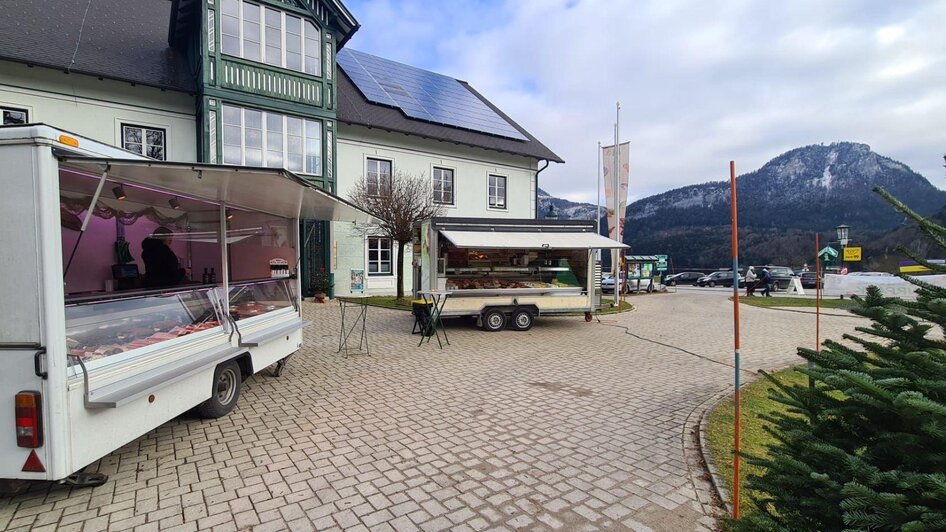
{"points": [[246, 364]]}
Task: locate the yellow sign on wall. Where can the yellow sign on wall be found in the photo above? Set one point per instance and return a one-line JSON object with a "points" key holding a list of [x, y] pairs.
{"points": [[852, 254]]}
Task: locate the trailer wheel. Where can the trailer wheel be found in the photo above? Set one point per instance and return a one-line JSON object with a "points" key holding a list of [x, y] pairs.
{"points": [[228, 380], [494, 320], [522, 320]]}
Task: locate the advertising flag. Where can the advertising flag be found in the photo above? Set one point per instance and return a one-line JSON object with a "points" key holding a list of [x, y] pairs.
{"points": [[616, 223]]}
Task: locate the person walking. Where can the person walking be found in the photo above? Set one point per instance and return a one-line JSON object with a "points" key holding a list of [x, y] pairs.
{"points": [[750, 281], [766, 282]]}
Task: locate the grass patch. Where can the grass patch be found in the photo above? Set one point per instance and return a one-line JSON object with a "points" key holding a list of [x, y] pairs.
{"points": [[755, 440], [625, 307], [781, 301], [390, 302]]}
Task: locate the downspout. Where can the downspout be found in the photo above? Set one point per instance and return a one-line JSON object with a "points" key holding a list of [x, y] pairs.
{"points": [[535, 203]]}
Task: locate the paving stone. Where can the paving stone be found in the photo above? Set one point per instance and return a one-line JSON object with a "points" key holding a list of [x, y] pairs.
{"points": [[570, 425]]}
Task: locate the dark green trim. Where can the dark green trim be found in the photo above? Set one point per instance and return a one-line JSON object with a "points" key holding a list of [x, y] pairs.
{"points": [[266, 103]]}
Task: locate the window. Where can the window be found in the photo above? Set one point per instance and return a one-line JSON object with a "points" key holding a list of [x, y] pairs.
{"points": [[497, 191], [14, 117], [273, 140], [270, 36], [443, 186], [379, 256], [378, 180], [147, 141]]}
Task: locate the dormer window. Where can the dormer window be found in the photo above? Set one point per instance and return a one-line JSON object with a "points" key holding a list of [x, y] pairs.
{"points": [[270, 36]]}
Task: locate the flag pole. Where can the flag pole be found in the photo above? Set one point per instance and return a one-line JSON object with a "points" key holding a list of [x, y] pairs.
{"points": [[616, 187], [735, 307], [598, 211]]}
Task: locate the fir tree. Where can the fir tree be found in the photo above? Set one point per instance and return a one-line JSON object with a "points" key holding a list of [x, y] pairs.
{"points": [[864, 448]]}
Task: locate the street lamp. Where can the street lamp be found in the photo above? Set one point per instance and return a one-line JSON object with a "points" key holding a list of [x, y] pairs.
{"points": [[843, 234]]}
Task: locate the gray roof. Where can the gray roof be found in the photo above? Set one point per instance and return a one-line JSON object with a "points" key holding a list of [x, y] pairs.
{"points": [[121, 39], [354, 108]]}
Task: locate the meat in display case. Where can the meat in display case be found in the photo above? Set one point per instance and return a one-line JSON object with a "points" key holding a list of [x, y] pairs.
{"points": [[100, 329], [259, 297]]}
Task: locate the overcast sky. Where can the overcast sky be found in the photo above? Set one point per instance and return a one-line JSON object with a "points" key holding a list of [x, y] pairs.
{"points": [[700, 82]]}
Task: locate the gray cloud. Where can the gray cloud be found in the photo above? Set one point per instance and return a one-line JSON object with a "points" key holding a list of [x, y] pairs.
{"points": [[700, 83]]}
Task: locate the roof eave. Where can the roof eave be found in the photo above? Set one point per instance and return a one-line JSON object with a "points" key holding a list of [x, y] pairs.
{"points": [[188, 90], [553, 158]]}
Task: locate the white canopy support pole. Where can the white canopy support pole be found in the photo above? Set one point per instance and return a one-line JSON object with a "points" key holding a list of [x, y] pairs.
{"points": [[224, 263], [88, 217], [95, 199]]}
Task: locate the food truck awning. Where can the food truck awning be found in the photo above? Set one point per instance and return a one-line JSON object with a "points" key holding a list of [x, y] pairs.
{"points": [[273, 191], [529, 240]]}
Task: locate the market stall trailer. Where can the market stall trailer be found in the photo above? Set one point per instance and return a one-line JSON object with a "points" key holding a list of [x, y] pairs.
{"points": [[507, 272], [96, 348]]}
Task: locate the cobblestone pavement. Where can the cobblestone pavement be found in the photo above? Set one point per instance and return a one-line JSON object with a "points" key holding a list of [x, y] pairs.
{"points": [[570, 426]]}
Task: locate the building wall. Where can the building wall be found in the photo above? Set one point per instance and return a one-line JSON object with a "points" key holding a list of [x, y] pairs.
{"points": [[417, 156], [96, 108]]}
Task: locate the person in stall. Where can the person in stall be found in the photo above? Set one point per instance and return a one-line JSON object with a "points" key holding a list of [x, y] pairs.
{"points": [[162, 268]]}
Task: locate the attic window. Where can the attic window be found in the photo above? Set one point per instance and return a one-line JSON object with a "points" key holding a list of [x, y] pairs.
{"points": [[270, 36]]}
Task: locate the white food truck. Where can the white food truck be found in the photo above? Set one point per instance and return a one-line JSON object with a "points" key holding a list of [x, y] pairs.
{"points": [[507, 272], [136, 290]]}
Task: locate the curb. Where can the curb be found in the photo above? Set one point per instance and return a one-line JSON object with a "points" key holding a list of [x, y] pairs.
{"points": [[716, 479]]}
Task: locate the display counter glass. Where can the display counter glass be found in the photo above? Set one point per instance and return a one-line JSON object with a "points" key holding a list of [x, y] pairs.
{"points": [[100, 329], [471, 271], [255, 298]]}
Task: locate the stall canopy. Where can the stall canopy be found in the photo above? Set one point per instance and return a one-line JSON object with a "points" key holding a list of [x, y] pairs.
{"points": [[530, 240], [273, 191]]}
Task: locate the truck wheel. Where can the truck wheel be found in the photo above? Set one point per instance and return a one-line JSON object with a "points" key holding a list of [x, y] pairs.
{"points": [[494, 320], [522, 320], [228, 380]]}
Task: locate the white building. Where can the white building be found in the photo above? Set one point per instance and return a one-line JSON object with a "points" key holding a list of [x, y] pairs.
{"points": [[473, 173]]}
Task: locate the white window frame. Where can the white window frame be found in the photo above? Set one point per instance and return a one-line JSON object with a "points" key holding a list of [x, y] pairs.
{"points": [[453, 191], [12, 109], [368, 160], [144, 138], [306, 26], [391, 257], [489, 192], [285, 139]]}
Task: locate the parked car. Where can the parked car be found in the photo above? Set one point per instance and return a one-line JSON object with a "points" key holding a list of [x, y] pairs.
{"points": [[810, 280], [727, 280], [628, 285], [781, 275], [713, 279], [683, 278]]}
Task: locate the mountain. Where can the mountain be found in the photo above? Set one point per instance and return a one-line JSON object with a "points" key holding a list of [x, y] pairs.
{"points": [[566, 210], [813, 188]]}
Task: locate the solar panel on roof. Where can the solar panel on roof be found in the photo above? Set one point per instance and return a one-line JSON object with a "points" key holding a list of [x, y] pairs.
{"points": [[422, 94]]}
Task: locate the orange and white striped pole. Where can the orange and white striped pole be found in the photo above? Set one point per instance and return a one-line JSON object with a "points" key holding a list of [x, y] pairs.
{"points": [[735, 316]]}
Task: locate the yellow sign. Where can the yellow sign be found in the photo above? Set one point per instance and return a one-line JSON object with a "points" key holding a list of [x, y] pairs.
{"points": [[852, 254]]}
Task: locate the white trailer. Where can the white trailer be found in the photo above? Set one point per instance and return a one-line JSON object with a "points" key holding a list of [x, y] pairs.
{"points": [[507, 272], [91, 360]]}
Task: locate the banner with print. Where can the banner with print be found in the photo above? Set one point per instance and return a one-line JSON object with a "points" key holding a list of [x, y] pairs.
{"points": [[616, 223]]}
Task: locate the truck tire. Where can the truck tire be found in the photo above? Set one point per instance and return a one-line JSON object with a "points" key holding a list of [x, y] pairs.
{"points": [[228, 380], [522, 320], [494, 320]]}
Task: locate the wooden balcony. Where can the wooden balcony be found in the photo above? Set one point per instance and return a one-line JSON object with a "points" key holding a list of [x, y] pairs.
{"points": [[264, 81]]}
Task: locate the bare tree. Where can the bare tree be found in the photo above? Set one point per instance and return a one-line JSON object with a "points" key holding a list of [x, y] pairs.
{"points": [[401, 203]]}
